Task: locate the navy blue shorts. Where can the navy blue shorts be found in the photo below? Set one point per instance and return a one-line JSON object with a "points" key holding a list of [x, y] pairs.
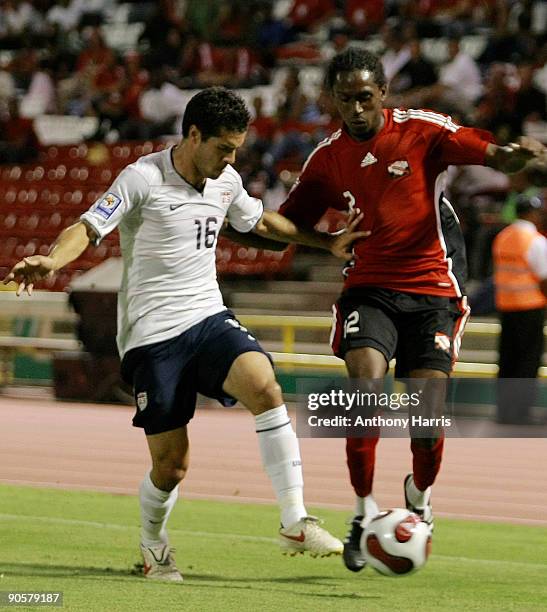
{"points": [[167, 376]]}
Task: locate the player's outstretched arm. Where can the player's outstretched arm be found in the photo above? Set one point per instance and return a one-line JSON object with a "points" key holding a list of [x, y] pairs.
{"points": [[252, 240], [68, 246], [516, 155], [275, 226]]}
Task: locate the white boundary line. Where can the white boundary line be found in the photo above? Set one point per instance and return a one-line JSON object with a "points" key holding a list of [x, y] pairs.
{"points": [[233, 536], [491, 518]]}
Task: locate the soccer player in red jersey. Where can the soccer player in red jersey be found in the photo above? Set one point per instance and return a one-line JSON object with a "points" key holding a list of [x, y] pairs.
{"points": [[403, 296]]}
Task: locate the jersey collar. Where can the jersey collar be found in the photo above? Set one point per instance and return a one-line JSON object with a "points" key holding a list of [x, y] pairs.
{"points": [[170, 165]]}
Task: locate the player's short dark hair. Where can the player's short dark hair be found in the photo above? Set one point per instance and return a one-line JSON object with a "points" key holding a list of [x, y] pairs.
{"points": [[354, 59], [213, 109]]}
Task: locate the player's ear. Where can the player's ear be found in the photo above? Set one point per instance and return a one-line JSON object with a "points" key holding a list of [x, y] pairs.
{"points": [[383, 92], [194, 135]]}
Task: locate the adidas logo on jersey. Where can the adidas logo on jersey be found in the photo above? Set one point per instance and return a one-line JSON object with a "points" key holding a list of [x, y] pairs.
{"points": [[368, 160], [399, 168]]}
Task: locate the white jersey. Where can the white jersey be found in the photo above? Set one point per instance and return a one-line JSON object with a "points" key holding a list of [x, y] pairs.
{"points": [[168, 236]]}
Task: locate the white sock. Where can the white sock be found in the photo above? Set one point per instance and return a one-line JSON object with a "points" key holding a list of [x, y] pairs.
{"points": [[281, 460], [156, 506], [366, 506], [417, 498]]}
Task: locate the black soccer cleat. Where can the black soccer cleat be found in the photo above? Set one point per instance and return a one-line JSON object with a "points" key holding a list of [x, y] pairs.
{"points": [[354, 559]]}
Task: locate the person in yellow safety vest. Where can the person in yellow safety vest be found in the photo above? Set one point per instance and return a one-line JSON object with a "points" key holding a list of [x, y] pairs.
{"points": [[520, 279]]}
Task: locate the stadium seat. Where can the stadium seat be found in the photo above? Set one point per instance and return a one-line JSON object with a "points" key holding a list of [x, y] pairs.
{"points": [[234, 259]]}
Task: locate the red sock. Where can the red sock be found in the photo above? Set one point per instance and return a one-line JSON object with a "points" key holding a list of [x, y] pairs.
{"points": [[361, 457], [427, 455]]}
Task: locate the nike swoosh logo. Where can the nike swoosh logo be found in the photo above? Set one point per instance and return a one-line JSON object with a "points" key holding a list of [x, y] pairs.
{"points": [[175, 206], [298, 538]]}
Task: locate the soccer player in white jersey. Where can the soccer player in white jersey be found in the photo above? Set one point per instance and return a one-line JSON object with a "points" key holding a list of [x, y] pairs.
{"points": [[175, 336]]}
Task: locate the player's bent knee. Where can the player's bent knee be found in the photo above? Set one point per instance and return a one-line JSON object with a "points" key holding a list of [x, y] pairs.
{"points": [[268, 395], [169, 473]]}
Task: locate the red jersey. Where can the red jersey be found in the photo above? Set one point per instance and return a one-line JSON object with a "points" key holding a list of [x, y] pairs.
{"points": [[396, 179]]}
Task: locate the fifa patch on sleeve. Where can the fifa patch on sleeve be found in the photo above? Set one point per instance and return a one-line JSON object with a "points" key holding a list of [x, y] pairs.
{"points": [[108, 205]]}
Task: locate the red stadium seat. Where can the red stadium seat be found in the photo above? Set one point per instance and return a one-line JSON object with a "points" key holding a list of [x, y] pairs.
{"points": [[234, 259], [11, 173]]}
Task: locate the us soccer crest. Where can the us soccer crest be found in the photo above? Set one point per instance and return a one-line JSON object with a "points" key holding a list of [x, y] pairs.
{"points": [[142, 400]]}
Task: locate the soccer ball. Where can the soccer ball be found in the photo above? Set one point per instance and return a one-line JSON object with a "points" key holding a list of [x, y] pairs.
{"points": [[396, 542]]}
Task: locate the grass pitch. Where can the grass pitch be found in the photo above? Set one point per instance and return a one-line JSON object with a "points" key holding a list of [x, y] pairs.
{"points": [[85, 544]]}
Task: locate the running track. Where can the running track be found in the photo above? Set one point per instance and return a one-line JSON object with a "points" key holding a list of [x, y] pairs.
{"points": [[83, 446]]}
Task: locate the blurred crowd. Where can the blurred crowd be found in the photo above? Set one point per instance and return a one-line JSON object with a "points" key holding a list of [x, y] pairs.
{"points": [[483, 61]]}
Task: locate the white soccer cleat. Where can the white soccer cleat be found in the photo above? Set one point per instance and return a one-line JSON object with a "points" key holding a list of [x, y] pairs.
{"points": [[306, 535], [159, 563], [425, 512]]}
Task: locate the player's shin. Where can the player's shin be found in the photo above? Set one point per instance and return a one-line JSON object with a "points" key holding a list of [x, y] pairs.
{"points": [[156, 506], [281, 459], [361, 459], [427, 455]]}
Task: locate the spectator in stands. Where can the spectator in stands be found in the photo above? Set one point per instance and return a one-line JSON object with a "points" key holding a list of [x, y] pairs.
{"points": [[107, 88], [19, 20], [40, 98], [509, 43], [459, 84], [7, 84], [233, 23], [530, 101], [540, 74], [396, 50], [270, 32], [202, 17], [520, 277], [494, 110], [96, 53], [167, 54], [262, 128], [155, 27], [203, 64], [530, 15], [309, 15], [137, 79], [298, 117], [72, 88], [93, 12], [295, 105], [407, 87], [245, 68], [364, 16], [433, 17], [520, 184], [107, 77], [157, 109], [18, 140], [64, 15]]}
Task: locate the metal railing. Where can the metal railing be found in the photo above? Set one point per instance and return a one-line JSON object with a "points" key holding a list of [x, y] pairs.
{"points": [[289, 324], [54, 307]]}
